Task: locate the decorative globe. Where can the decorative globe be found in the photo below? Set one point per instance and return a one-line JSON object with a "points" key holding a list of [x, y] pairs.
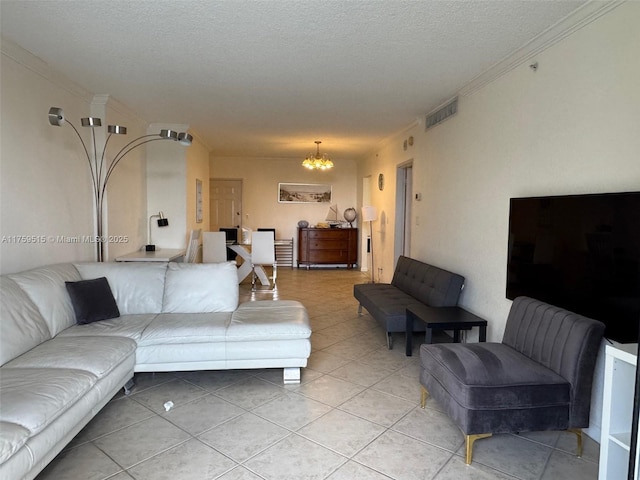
{"points": [[350, 215]]}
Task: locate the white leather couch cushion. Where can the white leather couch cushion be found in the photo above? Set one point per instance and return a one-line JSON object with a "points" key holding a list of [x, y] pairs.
{"points": [[12, 439], [21, 325], [181, 357], [97, 355], [34, 397], [137, 287], [269, 320], [42, 447], [45, 287], [130, 326], [201, 287], [186, 328]]}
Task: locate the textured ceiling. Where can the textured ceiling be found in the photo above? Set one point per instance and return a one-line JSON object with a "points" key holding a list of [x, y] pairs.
{"points": [[267, 78]]}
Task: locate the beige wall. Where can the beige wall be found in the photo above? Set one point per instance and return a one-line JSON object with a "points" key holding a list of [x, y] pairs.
{"points": [[569, 127], [46, 192], [126, 192], [197, 169], [45, 186], [260, 178]]}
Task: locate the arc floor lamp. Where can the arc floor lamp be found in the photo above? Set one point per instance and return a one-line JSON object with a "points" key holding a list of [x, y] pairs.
{"points": [[100, 168]]}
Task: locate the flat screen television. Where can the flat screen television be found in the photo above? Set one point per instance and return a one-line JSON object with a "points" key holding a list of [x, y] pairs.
{"points": [[579, 252]]}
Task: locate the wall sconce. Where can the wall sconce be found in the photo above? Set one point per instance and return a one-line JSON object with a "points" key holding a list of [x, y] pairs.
{"points": [[101, 169], [162, 222]]}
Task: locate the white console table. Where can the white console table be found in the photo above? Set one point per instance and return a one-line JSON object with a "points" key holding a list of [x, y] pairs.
{"points": [[617, 411], [159, 255]]}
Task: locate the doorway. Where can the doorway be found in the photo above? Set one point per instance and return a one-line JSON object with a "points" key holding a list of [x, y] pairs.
{"points": [[225, 202], [404, 202], [365, 240]]}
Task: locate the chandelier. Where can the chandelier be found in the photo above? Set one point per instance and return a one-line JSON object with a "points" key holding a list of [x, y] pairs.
{"points": [[317, 161]]}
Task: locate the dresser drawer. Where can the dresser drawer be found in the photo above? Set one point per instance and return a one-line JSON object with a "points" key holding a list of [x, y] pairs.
{"points": [[328, 244], [327, 234]]}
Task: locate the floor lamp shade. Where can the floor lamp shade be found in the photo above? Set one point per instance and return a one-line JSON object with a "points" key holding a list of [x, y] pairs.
{"points": [[369, 213]]}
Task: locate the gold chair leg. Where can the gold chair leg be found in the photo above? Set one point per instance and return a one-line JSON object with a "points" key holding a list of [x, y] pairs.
{"points": [[423, 397], [470, 440], [578, 432]]}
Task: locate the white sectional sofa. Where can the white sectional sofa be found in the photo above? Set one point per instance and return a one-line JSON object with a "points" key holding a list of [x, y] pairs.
{"points": [[56, 374]]}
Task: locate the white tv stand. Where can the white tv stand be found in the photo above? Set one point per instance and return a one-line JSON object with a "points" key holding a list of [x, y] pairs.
{"points": [[617, 411]]}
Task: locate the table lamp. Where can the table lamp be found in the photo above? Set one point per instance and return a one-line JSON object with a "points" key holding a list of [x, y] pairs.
{"points": [[162, 222]]}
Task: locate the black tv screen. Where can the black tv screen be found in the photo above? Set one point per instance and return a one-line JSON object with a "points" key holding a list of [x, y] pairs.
{"points": [[579, 252]]}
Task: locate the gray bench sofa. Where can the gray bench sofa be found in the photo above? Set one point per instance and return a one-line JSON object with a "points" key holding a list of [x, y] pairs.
{"points": [[538, 378], [413, 282], [56, 374]]}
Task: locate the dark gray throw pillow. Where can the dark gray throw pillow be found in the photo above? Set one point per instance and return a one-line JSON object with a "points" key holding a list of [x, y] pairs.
{"points": [[92, 300]]}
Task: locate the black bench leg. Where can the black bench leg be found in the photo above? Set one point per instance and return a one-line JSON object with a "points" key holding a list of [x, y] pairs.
{"points": [[389, 341], [408, 331], [456, 335], [428, 335]]}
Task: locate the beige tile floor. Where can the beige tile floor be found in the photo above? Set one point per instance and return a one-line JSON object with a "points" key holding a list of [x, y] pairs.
{"points": [[355, 416]]}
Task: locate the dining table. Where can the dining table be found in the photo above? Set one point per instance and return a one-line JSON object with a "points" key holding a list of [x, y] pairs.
{"points": [[244, 251]]}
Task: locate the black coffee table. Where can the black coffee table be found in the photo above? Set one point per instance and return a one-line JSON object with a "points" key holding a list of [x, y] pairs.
{"points": [[442, 318]]}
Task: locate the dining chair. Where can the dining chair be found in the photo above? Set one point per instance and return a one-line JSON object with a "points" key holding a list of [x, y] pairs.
{"points": [[263, 254], [274, 236], [214, 247], [193, 246], [232, 237], [231, 233]]}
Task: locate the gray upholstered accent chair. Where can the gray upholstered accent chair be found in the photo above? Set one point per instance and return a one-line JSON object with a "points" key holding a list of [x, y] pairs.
{"points": [[538, 378]]}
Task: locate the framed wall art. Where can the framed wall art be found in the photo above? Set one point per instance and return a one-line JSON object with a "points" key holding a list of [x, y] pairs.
{"points": [[198, 200], [304, 193]]}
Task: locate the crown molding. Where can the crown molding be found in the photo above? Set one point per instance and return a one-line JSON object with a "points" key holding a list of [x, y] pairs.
{"points": [[573, 22], [38, 66], [380, 144]]}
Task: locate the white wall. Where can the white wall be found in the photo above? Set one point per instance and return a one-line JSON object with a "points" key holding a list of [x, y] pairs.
{"points": [[125, 202], [572, 126], [45, 185], [197, 169], [260, 190], [46, 194], [171, 173], [167, 188]]}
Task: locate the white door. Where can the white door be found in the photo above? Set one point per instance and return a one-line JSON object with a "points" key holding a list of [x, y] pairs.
{"points": [[225, 204], [404, 197]]}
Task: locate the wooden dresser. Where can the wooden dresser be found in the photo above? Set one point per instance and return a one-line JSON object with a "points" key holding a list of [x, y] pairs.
{"points": [[318, 246]]}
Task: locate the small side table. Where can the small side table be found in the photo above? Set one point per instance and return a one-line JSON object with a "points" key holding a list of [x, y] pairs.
{"points": [[442, 318]]}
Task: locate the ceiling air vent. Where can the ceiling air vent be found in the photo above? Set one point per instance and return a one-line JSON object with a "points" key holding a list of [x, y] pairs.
{"points": [[442, 114]]}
